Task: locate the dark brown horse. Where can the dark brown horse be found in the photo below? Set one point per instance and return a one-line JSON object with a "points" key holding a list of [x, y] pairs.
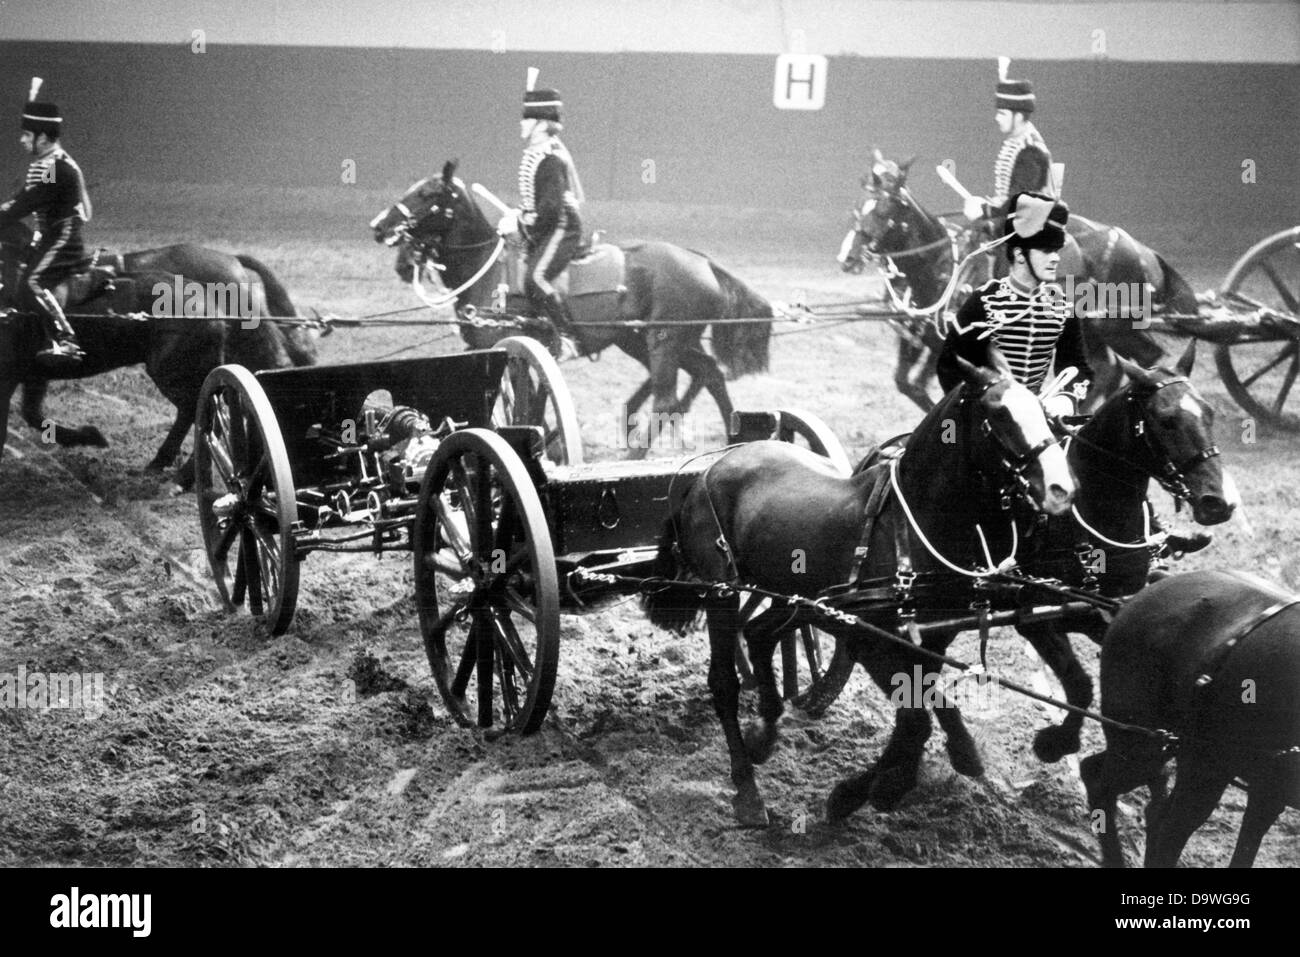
{"points": [[1158, 427], [437, 221], [778, 518], [920, 251], [1214, 658], [177, 353]]}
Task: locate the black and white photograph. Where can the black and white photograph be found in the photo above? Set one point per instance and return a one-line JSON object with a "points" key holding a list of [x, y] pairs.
{"points": [[650, 434]]}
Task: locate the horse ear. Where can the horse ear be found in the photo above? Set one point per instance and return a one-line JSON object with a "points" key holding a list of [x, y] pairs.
{"points": [[876, 156], [903, 167], [449, 171], [1135, 371], [1184, 366]]}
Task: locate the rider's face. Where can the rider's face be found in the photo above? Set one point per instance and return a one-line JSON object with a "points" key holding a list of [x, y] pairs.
{"points": [[1006, 121], [1045, 263], [526, 129], [28, 139]]}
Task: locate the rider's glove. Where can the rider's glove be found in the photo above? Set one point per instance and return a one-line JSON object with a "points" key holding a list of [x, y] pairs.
{"points": [[508, 225], [973, 207]]}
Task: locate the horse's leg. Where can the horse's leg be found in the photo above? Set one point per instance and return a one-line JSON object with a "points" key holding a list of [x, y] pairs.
{"points": [[7, 386], [704, 373], [663, 379], [33, 411], [1266, 801], [1056, 741], [962, 750], [1197, 790], [894, 773], [1130, 760], [761, 736], [909, 354], [171, 445], [724, 686]]}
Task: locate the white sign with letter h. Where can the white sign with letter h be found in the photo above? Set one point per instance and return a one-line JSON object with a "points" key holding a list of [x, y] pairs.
{"points": [[800, 82]]}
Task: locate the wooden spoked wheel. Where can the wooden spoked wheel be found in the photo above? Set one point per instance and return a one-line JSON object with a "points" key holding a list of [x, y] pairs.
{"points": [[1261, 375], [533, 392], [247, 500], [486, 586], [805, 659]]}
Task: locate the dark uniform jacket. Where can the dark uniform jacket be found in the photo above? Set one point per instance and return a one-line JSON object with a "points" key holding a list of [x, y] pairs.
{"points": [[55, 193], [1034, 331]]}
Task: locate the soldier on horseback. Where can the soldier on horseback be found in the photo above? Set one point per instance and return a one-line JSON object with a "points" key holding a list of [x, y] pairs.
{"points": [[551, 199], [1027, 317], [55, 193], [1024, 164]]}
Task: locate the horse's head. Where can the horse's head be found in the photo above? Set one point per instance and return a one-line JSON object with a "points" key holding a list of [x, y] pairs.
{"points": [[1009, 437], [15, 237], [1170, 434], [885, 220], [422, 220]]}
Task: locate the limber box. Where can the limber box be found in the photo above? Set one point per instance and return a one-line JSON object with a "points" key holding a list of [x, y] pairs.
{"points": [[606, 506]]}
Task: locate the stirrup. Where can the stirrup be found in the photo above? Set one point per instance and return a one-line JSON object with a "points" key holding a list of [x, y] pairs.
{"points": [[60, 355]]}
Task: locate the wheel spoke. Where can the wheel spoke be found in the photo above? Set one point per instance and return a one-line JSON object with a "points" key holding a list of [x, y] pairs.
{"points": [[519, 605], [1280, 285], [222, 549], [221, 459], [249, 558], [1287, 382], [468, 658], [240, 586], [503, 659], [511, 645], [268, 552], [1288, 350], [486, 654], [812, 650], [452, 531]]}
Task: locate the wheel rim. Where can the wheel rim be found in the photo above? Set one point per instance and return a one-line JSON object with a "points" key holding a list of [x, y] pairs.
{"points": [[533, 392], [1261, 376], [246, 498], [486, 586]]}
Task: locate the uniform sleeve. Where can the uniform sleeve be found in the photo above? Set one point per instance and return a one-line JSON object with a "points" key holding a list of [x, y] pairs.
{"points": [[971, 318], [551, 181], [1031, 172], [1071, 350], [27, 201]]}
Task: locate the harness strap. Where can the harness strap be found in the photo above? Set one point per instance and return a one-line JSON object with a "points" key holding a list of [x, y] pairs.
{"points": [[1218, 656], [876, 502]]}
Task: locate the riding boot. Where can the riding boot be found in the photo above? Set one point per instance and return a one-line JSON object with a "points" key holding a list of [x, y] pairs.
{"points": [[1179, 545], [567, 342], [63, 353]]}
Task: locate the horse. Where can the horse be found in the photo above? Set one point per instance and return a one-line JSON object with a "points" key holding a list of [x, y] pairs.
{"points": [[1213, 658], [1157, 427], [436, 221], [921, 252], [177, 353], [778, 518]]}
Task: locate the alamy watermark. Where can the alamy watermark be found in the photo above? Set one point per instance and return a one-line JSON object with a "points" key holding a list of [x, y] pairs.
{"points": [[1133, 301], [645, 430], [42, 691], [185, 298]]}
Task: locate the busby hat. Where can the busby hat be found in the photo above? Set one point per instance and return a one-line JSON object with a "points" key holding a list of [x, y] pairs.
{"points": [[540, 104], [1037, 221], [40, 117], [1013, 94]]}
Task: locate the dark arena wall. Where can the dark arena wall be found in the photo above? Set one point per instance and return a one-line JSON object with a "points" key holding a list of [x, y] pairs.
{"points": [[1162, 142]]}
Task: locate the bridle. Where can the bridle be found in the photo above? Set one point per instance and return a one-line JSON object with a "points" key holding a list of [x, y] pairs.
{"points": [[1171, 475], [1014, 464]]}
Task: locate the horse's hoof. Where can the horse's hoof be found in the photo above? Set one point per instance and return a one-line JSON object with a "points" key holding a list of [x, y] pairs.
{"points": [[965, 758], [847, 796], [890, 787], [1053, 743], [749, 810], [759, 743]]}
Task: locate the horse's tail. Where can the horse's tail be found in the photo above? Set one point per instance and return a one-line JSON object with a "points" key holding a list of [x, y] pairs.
{"points": [[742, 347], [1176, 295], [671, 607], [299, 341]]}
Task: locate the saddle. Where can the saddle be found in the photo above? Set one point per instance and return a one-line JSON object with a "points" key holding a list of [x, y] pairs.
{"points": [[601, 269], [102, 269]]}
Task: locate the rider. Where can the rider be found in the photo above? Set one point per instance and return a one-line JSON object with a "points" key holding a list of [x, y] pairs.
{"points": [[1028, 318], [551, 198], [1024, 314], [55, 193], [1024, 164]]}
